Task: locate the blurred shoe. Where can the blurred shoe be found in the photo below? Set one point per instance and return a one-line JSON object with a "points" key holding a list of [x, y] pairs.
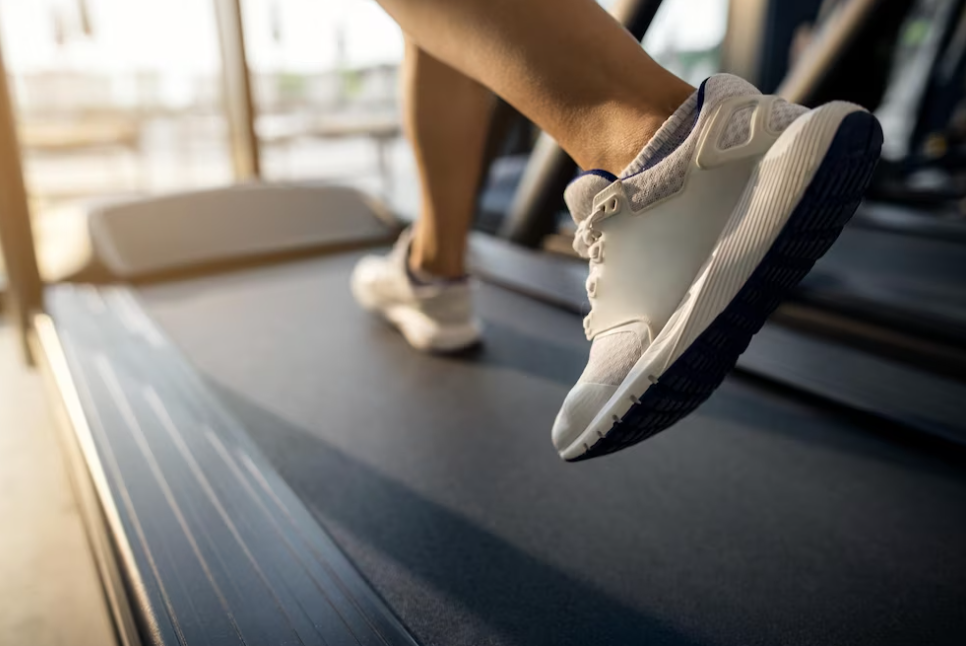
{"points": [[434, 314], [720, 216]]}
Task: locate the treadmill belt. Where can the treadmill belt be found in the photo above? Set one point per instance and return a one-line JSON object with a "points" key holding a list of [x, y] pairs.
{"points": [[757, 520], [914, 284]]}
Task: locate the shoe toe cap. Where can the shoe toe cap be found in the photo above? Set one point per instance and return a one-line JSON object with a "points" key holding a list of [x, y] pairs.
{"points": [[373, 280], [580, 407], [368, 269]]}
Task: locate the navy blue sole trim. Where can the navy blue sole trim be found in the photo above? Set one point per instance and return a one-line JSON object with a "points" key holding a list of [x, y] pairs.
{"points": [[826, 206]]}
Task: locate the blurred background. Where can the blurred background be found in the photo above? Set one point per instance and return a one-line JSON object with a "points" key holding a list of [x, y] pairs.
{"points": [[123, 97], [117, 98]]}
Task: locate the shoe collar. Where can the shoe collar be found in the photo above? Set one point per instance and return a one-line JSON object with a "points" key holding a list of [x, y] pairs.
{"points": [[679, 127]]}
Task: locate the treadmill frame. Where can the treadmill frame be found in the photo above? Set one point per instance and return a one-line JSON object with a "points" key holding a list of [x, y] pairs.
{"points": [[86, 477]]}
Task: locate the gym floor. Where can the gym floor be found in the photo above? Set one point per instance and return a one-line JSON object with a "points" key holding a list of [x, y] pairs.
{"points": [[49, 591]]}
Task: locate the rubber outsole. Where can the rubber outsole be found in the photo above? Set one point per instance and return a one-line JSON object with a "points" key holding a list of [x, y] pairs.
{"points": [[826, 206]]}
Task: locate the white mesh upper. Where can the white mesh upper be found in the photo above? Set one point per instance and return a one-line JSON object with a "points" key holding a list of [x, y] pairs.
{"points": [[613, 354], [739, 128], [783, 113], [661, 169]]}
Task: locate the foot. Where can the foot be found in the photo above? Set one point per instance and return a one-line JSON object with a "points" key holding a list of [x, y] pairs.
{"points": [[433, 314], [698, 241]]}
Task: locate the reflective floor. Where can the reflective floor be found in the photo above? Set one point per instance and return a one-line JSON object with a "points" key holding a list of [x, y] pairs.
{"points": [[49, 590]]}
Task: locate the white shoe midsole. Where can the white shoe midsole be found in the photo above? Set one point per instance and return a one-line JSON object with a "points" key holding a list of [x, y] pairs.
{"points": [[772, 193], [425, 333], [422, 331]]}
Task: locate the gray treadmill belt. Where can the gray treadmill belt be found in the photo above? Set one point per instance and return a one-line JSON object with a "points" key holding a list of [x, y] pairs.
{"points": [[757, 520], [913, 283]]}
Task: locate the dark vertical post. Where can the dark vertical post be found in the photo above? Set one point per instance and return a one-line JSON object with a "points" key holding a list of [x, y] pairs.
{"points": [[237, 90], [831, 42], [24, 291], [741, 49]]}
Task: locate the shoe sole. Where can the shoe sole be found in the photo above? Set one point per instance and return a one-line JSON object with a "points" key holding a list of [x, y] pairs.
{"points": [[826, 205], [420, 331], [423, 333]]}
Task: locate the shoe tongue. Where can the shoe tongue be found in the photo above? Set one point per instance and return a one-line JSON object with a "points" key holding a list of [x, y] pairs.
{"points": [[581, 192]]}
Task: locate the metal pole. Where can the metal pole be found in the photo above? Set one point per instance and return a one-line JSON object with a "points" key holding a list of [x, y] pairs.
{"points": [[24, 288], [239, 105], [742, 47]]}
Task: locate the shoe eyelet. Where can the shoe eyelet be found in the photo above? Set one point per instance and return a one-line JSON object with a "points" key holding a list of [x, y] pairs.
{"points": [[614, 205], [591, 287]]}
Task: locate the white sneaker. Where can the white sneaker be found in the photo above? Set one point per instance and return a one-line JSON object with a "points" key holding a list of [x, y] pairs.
{"points": [[435, 316], [721, 214]]}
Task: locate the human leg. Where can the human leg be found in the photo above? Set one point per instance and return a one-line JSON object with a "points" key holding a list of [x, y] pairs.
{"points": [[566, 64], [421, 285], [446, 116]]}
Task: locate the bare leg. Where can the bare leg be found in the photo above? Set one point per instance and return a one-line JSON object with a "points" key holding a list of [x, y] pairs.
{"points": [[566, 64], [446, 116]]}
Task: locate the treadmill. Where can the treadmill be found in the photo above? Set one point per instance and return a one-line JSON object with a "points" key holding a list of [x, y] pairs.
{"points": [[260, 462], [901, 264]]}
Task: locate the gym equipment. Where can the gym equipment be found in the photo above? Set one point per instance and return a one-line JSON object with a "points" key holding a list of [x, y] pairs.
{"points": [[260, 462]]}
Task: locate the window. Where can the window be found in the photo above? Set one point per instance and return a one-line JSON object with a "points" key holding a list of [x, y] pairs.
{"points": [[325, 85], [686, 37], [114, 97]]}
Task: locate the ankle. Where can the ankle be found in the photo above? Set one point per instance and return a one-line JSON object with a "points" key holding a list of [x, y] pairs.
{"points": [[423, 264], [617, 146], [624, 130]]}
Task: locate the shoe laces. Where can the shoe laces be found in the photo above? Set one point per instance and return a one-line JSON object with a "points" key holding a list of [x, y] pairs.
{"points": [[587, 237], [589, 244]]}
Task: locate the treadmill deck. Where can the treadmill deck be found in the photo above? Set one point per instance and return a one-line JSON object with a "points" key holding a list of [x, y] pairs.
{"points": [[758, 519]]}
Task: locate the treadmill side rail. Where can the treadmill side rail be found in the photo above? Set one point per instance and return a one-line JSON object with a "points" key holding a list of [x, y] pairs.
{"points": [[211, 544], [87, 483]]}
